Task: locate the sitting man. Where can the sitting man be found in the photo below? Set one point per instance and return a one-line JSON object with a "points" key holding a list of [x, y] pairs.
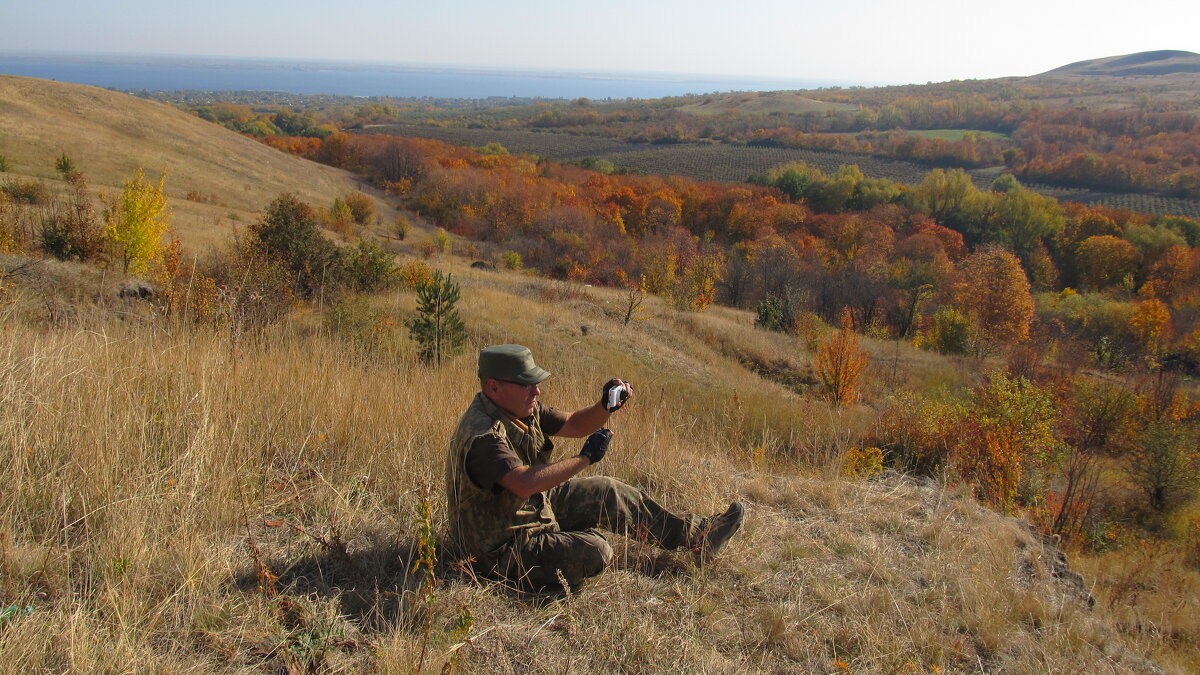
{"points": [[525, 518]]}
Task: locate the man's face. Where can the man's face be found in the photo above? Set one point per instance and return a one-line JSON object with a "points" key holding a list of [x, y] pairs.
{"points": [[513, 398]]}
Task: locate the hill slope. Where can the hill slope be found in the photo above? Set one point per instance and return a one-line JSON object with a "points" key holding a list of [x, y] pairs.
{"points": [[260, 513], [109, 135], [1161, 62]]}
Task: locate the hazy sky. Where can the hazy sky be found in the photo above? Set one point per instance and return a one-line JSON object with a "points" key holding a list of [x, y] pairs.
{"points": [[848, 40]]}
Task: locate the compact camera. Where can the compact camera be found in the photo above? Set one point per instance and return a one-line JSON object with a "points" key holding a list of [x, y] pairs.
{"points": [[614, 396]]}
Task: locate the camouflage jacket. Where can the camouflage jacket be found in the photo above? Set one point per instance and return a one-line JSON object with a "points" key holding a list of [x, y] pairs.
{"points": [[482, 521]]}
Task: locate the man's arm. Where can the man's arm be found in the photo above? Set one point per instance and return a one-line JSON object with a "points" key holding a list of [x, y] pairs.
{"points": [[584, 421], [525, 481]]}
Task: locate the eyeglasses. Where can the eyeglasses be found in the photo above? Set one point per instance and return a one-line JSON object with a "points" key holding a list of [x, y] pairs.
{"points": [[519, 384]]}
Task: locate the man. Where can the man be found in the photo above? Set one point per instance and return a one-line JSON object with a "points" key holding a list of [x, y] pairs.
{"points": [[527, 519]]}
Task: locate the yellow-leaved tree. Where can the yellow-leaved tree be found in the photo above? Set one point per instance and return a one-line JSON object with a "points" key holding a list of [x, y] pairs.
{"points": [[136, 220]]}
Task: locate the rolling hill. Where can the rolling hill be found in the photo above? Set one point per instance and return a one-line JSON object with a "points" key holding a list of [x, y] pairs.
{"points": [[109, 135], [1161, 62]]}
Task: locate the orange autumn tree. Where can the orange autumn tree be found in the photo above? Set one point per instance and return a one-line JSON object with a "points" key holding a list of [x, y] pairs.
{"points": [[840, 363], [1151, 325], [992, 290]]}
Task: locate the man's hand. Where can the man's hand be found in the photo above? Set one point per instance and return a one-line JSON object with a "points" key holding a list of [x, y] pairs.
{"points": [[607, 399], [596, 445]]}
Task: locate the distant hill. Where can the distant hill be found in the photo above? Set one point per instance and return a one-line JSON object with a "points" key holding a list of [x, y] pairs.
{"points": [[109, 135], [1162, 62]]}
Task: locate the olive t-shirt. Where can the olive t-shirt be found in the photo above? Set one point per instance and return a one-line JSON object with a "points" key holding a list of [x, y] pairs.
{"points": [[489, 459]]}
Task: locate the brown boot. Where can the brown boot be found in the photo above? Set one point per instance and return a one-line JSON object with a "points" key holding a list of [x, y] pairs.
{"points": [[716, 531]]}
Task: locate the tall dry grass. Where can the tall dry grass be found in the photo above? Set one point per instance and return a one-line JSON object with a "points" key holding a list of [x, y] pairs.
{"points": [[183, 500]]}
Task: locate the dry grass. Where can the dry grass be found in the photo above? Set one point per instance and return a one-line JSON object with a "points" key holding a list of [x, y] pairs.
{"points": [[109, 135], [148, 470]]}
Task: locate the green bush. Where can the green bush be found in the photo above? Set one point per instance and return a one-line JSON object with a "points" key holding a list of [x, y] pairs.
{"points": [[1165, 465], [511, 260], [368, 268], [950, 333], [776, 312], [365, 327], [289, 234]]}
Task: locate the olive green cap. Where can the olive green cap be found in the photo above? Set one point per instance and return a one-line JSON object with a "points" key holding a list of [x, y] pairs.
{"points": [[510, 362]]}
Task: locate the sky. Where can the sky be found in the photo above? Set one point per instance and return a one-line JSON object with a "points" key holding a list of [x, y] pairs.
{"points": [[838, 40]]}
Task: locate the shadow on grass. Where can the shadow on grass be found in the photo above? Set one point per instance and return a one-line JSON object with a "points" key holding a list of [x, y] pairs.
{"points": [[377, 586]]}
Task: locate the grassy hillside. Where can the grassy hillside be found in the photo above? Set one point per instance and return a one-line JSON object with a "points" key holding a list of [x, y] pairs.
{"points": [[208, 500], [109, 135]]}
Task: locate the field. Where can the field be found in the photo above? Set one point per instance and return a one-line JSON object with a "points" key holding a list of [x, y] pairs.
{"points": [[954, 134], [542, 144], [736, 163]]}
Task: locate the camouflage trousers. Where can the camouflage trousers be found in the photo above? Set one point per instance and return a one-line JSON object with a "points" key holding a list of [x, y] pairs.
{"points": [[577, 549]]}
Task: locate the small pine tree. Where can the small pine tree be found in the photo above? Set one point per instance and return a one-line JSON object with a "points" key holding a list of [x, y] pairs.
{"points": [[66, 168], [437, 328]]}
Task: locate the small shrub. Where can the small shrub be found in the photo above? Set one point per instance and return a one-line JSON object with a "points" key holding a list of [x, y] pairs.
{"points": [[1165, 465], [26, 191], [184, 291], [441, 239], [340, 216], [367, 267], [356, 321], [402, 227], [362, 207], [863, 462], [4, 165], [255, 290], [511, 260], [917, 433], [1006, 441], [839, 363], [72, 231], [776, 312], [950, 333], [415, 274]]}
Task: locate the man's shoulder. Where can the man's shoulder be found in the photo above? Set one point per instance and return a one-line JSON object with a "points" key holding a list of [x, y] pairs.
{"points": [[477, 420]]}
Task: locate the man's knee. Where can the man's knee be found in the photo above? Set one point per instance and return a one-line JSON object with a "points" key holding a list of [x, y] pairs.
{"points": [[573, 555], [591, 558]]}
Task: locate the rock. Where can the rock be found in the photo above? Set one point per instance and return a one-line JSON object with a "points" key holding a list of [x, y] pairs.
{"points": [[136, 288]]}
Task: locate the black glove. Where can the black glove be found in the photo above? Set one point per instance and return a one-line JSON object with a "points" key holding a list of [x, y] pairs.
{"points": [[596, 445], [622, 397]]}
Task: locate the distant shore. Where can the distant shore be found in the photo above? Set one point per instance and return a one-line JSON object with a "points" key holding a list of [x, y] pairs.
{"points": [[173, 73]]}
